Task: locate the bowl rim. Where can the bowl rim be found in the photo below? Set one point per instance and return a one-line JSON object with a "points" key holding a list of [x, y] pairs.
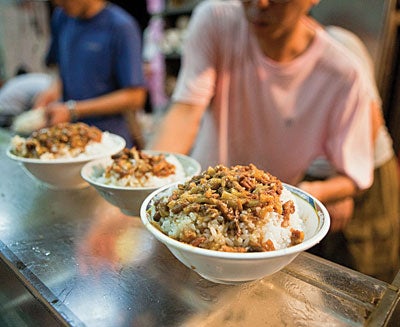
{"points": [[119, 145], [323, 228], [85, 169]]}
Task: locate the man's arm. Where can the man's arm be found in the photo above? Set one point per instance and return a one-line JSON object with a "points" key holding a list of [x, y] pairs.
{"points": [[113, 103], [179, 128], [332, 189], [337, 194]]}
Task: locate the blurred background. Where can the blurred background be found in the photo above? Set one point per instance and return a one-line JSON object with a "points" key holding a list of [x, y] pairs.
{"points": [[24, 36]]}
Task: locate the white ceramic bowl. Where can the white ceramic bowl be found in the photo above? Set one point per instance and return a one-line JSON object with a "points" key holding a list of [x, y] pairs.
{"points": [[234, 268], [64, 173], [129, 199]]}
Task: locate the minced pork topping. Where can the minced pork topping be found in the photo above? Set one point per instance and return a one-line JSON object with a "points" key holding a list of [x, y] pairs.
{"points": [[133, 162], [231, 209], [58, 139]]}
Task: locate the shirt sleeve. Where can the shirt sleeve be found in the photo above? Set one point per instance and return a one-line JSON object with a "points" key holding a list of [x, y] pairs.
{"points": [[196, 80], [356, 46], [350, 146]]}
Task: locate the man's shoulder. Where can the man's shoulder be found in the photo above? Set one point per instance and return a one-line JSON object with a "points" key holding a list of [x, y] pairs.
{"points": [[221, 18], [59, 16], [222, 9], [337, 57], [120, 17]]}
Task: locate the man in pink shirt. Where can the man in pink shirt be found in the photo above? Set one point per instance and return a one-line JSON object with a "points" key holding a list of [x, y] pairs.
{"points": [[261, 84]]}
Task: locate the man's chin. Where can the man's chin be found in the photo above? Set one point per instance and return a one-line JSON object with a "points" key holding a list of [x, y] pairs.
{"points": [[260, 25]]}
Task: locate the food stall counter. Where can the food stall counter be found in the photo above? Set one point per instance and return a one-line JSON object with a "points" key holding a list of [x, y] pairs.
{"points": [[69, 258]]}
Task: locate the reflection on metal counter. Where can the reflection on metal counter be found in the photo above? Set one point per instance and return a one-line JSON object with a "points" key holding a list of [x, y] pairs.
{"points": [[90, 265]]}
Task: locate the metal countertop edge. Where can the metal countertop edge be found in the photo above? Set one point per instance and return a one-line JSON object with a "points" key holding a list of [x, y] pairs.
{"points": [[39, 291]]}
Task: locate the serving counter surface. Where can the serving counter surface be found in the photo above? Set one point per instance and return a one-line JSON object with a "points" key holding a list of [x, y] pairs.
{"points": [[83, 263]]}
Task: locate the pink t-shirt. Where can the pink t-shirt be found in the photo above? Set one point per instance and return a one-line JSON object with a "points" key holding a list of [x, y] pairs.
{"points": [[277, 116]]}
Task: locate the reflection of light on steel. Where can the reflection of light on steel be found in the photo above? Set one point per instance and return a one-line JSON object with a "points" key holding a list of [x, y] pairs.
{"points": [[133, 245], [114, 244], [103, 304], [4, 221], [113, 240], [250, 304]]}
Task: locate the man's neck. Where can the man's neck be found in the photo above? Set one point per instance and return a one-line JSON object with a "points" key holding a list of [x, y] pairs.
{"points": [[93, 9], [284, 46]]}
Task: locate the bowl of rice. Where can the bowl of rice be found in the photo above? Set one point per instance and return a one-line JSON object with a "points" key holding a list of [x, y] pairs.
{"points": [[128, 177], [234, 225], [55, 155]]}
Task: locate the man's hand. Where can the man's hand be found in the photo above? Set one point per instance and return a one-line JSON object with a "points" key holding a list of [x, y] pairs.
{"points": [[340, 212], [57, 112]]}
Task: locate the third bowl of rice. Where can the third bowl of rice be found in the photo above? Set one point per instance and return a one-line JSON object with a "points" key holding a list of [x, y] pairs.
{"points": [[55, 155]]}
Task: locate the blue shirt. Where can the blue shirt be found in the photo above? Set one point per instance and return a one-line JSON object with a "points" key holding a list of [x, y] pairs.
{"points": [[97, 56]]}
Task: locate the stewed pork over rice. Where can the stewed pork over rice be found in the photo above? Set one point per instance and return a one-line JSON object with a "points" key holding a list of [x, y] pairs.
{"points": [[135, 168], [65, 140], [237, 209]]}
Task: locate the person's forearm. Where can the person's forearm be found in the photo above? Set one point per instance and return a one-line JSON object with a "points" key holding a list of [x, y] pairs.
{"points": [[178, 130], [332, 189], [112, 103]]}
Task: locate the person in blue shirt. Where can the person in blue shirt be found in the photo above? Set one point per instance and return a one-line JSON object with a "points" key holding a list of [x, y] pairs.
{"points": [[96, 47]]}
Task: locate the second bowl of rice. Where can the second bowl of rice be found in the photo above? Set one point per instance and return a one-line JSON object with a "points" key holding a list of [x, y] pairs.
{"points": [[127, 178], [234, 225]]}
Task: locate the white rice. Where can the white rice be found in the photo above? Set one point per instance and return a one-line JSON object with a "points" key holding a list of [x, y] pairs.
{"points": [[107, 145]]}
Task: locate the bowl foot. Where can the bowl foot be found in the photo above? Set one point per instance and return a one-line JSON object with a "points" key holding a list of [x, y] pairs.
{"points": [[226, 282], [66, 188]]}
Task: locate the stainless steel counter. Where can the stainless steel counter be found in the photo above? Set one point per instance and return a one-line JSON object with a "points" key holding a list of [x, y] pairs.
{"points": [[84, 263]]}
